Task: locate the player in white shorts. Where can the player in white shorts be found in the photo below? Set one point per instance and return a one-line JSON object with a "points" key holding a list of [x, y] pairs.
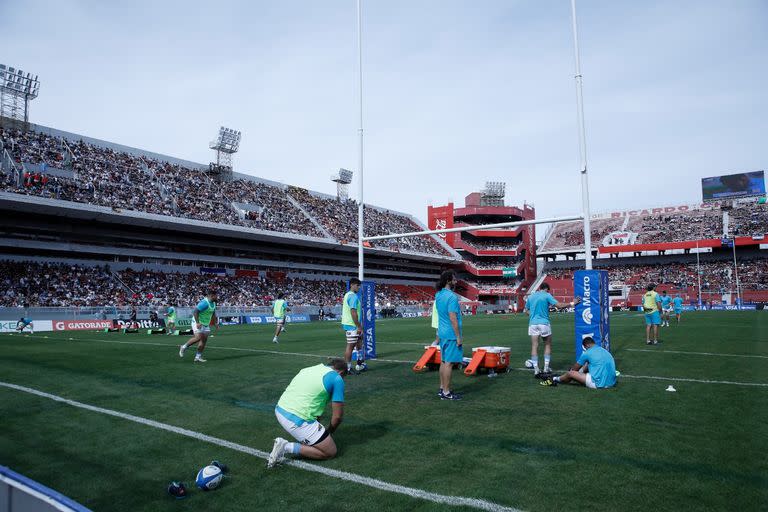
{"points": [[351, 322], [537, 307], [204, 317], [300, 407]]}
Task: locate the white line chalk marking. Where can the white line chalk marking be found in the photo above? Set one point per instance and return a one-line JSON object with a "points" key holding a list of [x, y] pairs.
{"points": [[333, 473]]}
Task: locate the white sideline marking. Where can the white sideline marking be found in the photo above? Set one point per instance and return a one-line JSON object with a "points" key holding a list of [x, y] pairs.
{"points": [[334, 473], [680, 379], [216, 347], [701, 381], [695, 353], [676, 379]]}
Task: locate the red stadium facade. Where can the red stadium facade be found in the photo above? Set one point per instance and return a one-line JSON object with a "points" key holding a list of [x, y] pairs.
{"points": [[498, 264]]}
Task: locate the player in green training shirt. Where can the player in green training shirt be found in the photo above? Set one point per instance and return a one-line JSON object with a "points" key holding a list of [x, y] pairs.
{"points": [[279, 308], [205, 317], [652, 308], [170, 320], [300, 408]]}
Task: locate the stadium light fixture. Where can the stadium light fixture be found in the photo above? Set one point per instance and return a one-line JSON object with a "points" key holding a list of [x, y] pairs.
{"points": [[17, 89], [226, 144], [342, 179]]}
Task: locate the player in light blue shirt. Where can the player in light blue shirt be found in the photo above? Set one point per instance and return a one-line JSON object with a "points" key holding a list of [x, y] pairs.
{"points": [[677, 304], [595, 368], [537, 307], [449, 332], [666, 308]]}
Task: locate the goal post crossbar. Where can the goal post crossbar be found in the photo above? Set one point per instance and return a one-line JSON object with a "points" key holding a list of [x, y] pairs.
{"points": [[474, 228]]}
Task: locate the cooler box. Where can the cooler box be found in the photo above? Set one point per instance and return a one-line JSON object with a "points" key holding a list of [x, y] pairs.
{"points": [[491, 358], [429, 360]]}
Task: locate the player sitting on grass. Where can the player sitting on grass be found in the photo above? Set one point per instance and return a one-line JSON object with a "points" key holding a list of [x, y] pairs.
{"points": [[594, 369], [300, 408], [537, 307], [23, 323], [279, 308], [205, 316], [652, 308]]}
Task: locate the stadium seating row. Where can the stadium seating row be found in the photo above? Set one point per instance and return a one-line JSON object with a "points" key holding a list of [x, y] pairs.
{"points": [[715, 276], [680, 225], [67, 285], [103, 176]]}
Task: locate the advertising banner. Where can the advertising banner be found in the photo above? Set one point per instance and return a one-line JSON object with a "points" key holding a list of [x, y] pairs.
{"points": [[441, 217], [592, 313], [509, 272], [265, 319], [81, 325], [368, 298], [37, 325]]}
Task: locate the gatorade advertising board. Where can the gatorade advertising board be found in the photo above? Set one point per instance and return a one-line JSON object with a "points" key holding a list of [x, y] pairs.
{"points": [[368, 298], [592, 313]]}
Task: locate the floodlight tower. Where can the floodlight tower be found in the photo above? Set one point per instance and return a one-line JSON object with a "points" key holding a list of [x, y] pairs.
{"points": [[225, 145], [17, 89], [342, 179], [493, 194]]}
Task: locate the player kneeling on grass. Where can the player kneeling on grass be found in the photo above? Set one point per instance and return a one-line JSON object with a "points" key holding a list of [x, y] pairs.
{"points": [[594, 369], [205, 316], [300, 408]]}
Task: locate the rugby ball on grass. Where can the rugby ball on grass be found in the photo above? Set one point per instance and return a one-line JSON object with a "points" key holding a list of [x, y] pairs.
{"points": [[528, 363], [209, 478]]}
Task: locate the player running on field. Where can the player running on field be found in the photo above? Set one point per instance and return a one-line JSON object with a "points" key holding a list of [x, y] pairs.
{"points": [[652, 307], [537, 307], [23, 323], [351, 321], [677, 304], [170, 320], [279, 307], [666, 308], [204, 317], [449, 332], [594, 369], [300, 408]]}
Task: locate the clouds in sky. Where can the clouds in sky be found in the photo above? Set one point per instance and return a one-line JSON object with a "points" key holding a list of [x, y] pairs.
{"points": [[456, 93]]}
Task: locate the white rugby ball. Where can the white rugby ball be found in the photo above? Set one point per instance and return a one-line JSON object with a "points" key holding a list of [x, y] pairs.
{"points": [[209, 478], [528, 363]]}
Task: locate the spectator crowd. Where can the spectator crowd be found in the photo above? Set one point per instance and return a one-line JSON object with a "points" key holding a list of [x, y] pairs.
{"points": [[67, 285], [87, 173]]}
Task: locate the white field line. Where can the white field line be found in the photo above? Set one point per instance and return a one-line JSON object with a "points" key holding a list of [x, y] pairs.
{"points": [[650, 377], [695, 353], [333, 473], [214, 347], [680, 379]]}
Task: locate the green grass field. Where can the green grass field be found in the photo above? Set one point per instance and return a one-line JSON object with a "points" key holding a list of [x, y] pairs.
{"points": [[510, 441]]}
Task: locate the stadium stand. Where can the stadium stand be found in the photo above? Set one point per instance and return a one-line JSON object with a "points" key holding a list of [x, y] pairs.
{"points": [[717, 278], [68, 285], [686, 223], [87, 173]]}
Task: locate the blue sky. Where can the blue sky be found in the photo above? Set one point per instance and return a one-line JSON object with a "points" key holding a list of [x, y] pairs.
{"points": [[456, 93]]}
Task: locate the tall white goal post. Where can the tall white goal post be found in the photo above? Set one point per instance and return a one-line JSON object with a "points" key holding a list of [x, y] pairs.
{"points": [[585, 214]]}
